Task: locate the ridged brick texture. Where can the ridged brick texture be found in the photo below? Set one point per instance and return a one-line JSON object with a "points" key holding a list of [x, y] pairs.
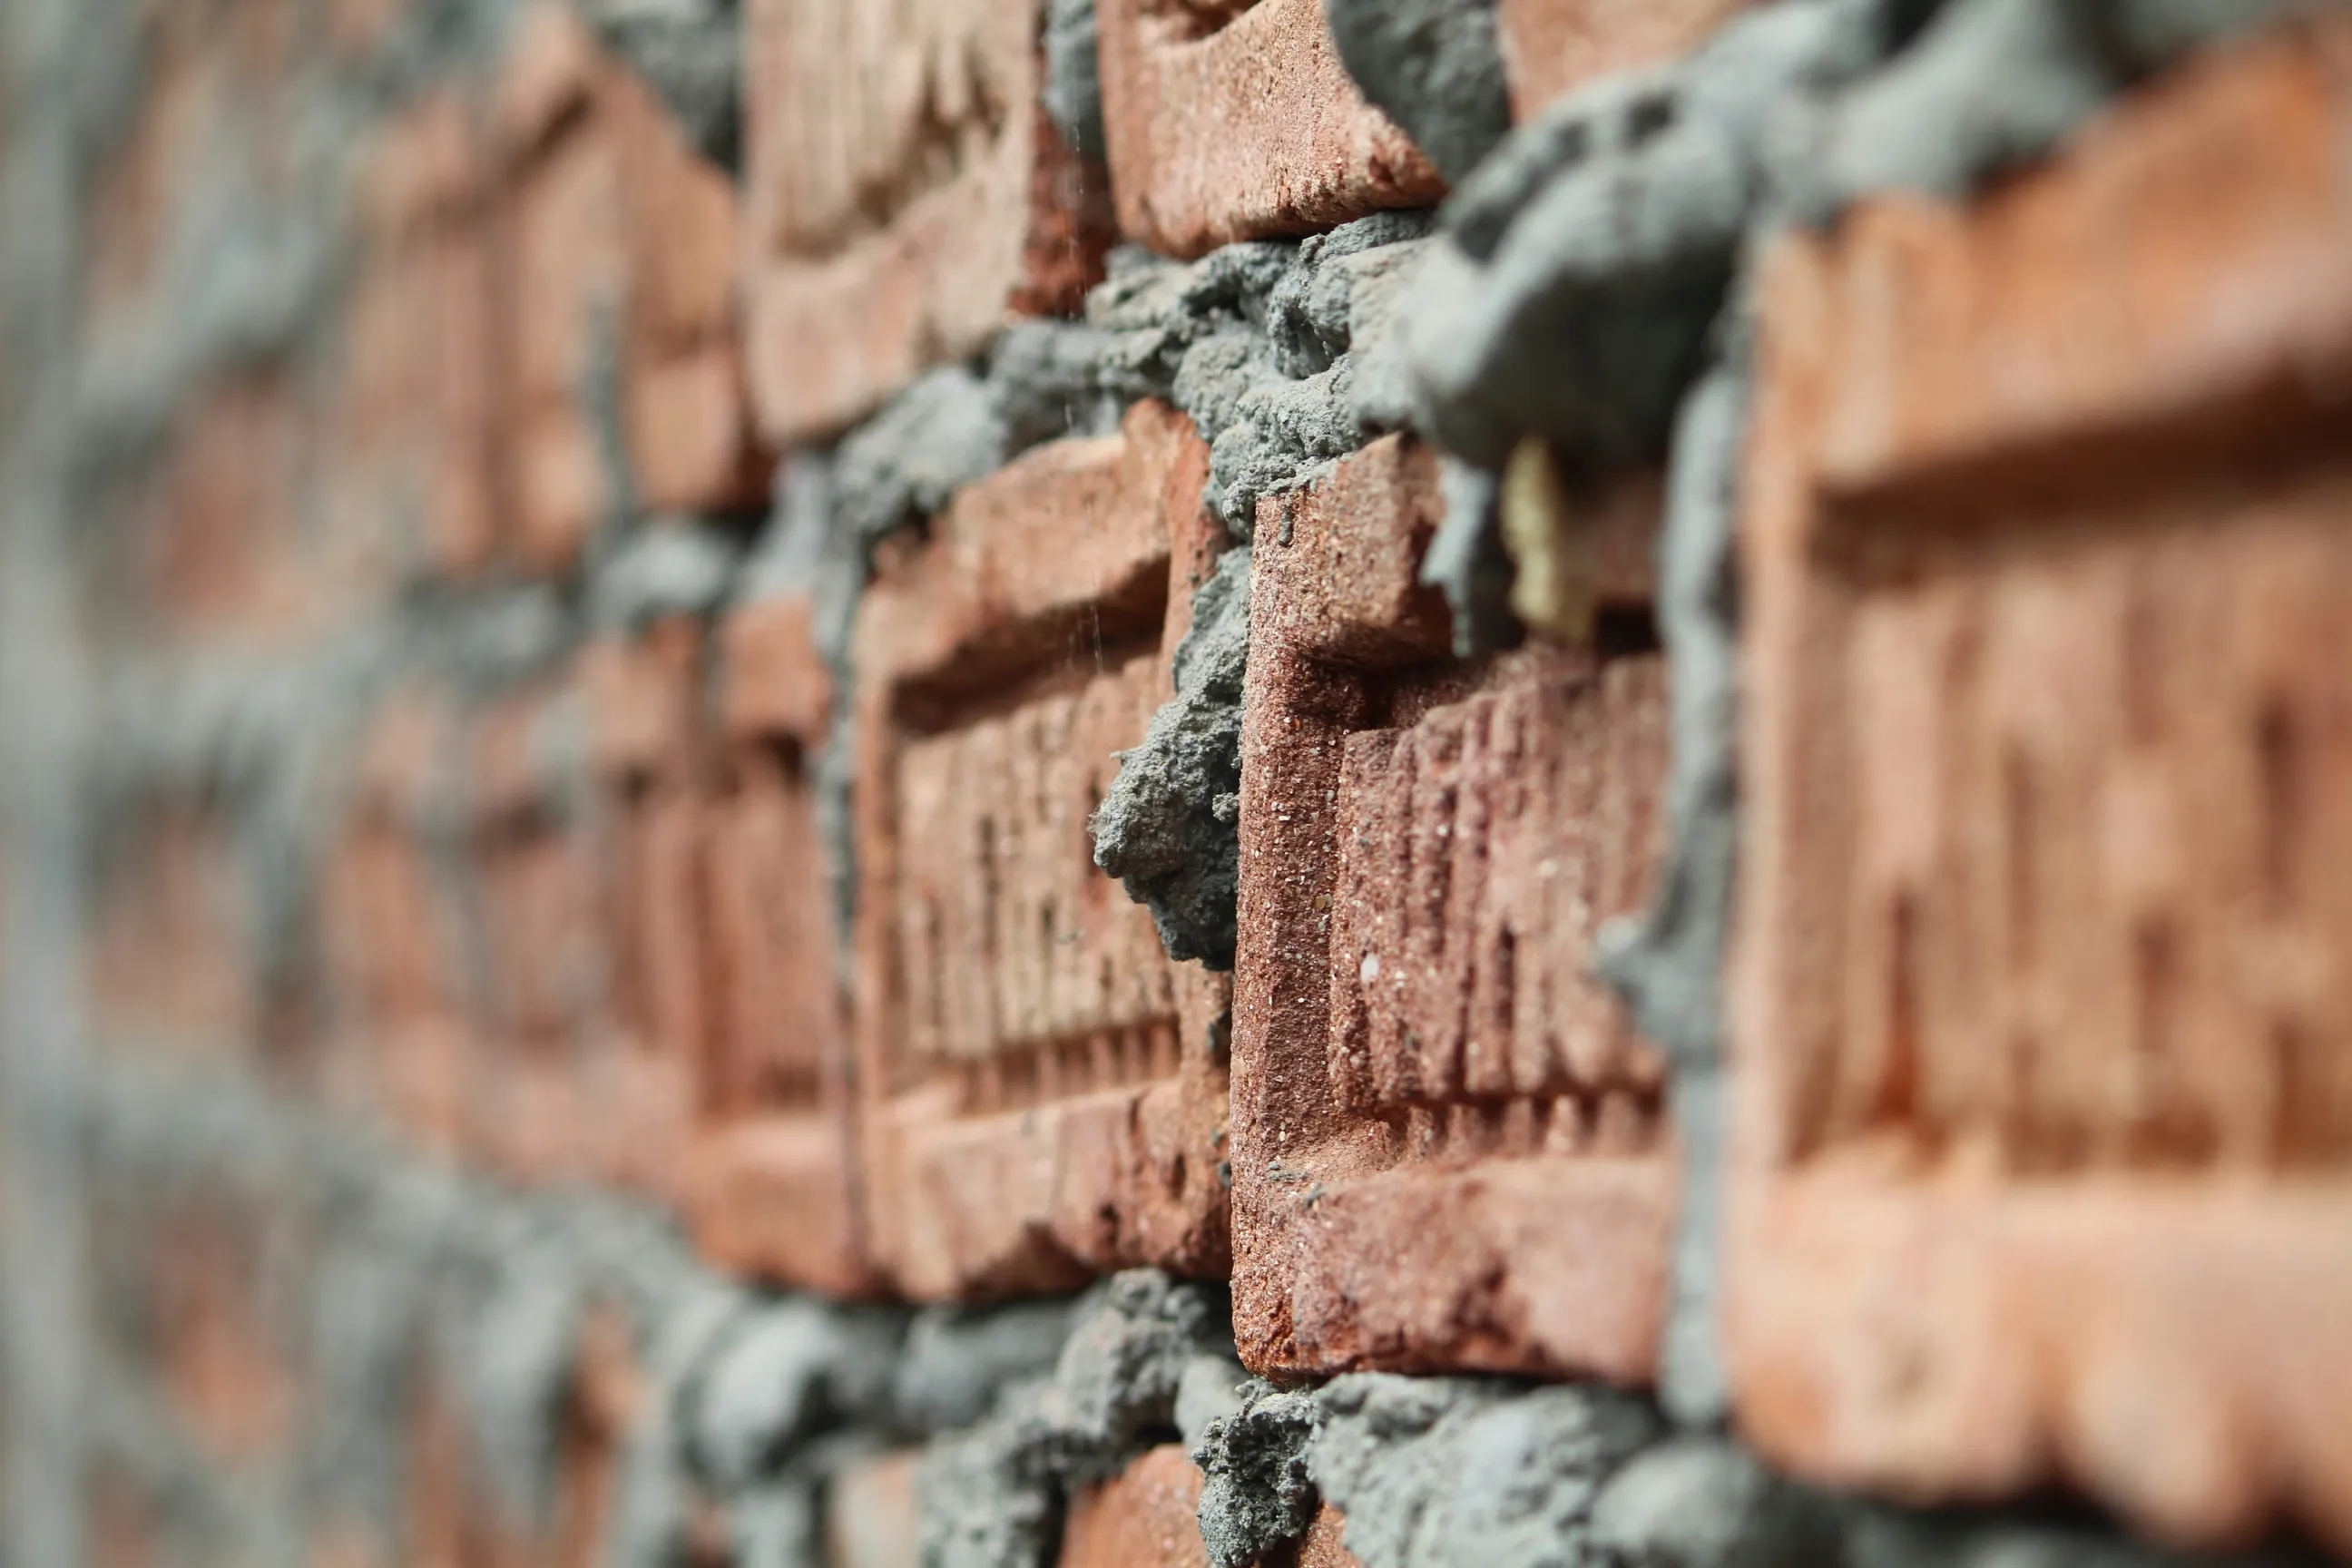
{"points": [[1233, 121], [1449, 1148], [2045, 1089], [906, 196], [1045, 1090]]}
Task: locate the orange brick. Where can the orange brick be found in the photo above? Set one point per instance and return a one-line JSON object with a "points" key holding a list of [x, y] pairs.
{"points": [[777, 1190], [1230, 122], [1146, 1516], [1044, 1089], [413, 433], [688, 410], [530, 857], [649, 746], [168, 961], [392, 940], [906, 195], [1552, 47], [222, 1363], [2044, 1100], [1449, 1149]]}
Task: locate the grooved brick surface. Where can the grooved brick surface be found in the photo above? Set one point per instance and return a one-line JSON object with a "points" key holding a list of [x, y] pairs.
{"points": [[906, 195], [1449, 1148], [1240, 122], [1045, 1090], [1144, 1517], [2045, 1090], [1552, 47]]}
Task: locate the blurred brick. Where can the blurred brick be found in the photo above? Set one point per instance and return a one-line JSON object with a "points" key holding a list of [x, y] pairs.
{"points": [[563, 155], [906, 195], [1449, 1148], [777, 1189], [392, 933], [172, 961], [134, 192], [1145, 1517], [689, 418], [1553, 46], [1230, 122], [2045, 1106], [221, 1359], [1046, 1092], [539, 980], [414, 432], [869, 1514], [648, 747]]}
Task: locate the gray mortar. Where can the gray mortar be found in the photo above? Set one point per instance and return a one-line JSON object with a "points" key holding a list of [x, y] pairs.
{"points": [[1169, 827], [994, 1496], [1435, 67], [1256, 1491], [1467, 561], [1073, 90], [691, 53], [667, 567], [955, 1360]]}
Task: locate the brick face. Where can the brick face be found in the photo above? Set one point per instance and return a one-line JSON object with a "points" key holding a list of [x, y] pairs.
{"points": [[1242, 125], [1553, 46], [777, 1191], [1449, 1148], [906, 195], [1046, 1090], [2044, 552], [1145, 1517]]}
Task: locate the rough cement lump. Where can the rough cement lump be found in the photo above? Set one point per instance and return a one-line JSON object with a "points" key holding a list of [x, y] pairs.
{"points": [[1170, 827], [1434, 67]]}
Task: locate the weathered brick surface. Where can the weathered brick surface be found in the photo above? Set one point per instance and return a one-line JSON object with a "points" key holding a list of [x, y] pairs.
{"points": [[1238, 122], [1145, 1517], [1449, 1149], [1552, 47], [906, 195], [777, 1192], [1045, 1090], [2045, 1093]]}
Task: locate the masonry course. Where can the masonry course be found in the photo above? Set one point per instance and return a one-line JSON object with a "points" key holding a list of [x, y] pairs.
{"points": [[1143, 781]]}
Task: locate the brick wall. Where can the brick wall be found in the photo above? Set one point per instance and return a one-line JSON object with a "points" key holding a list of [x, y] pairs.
{"points": [[1074, 782]]}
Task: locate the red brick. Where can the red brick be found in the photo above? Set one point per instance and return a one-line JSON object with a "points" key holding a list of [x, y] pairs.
{"points": [[869, 1514], [182, 106], [391, 934], [531, 858], [1229, 122], [414, 428], [1145, 1517], [776, 1191], [222, 1363], [563, 155], [1045, 1090], [171, 962], [649, 746], [1552, 47], [691, 448], [2044, 1106], [1449, 1149], [1325, 1543], [906, 195]]}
